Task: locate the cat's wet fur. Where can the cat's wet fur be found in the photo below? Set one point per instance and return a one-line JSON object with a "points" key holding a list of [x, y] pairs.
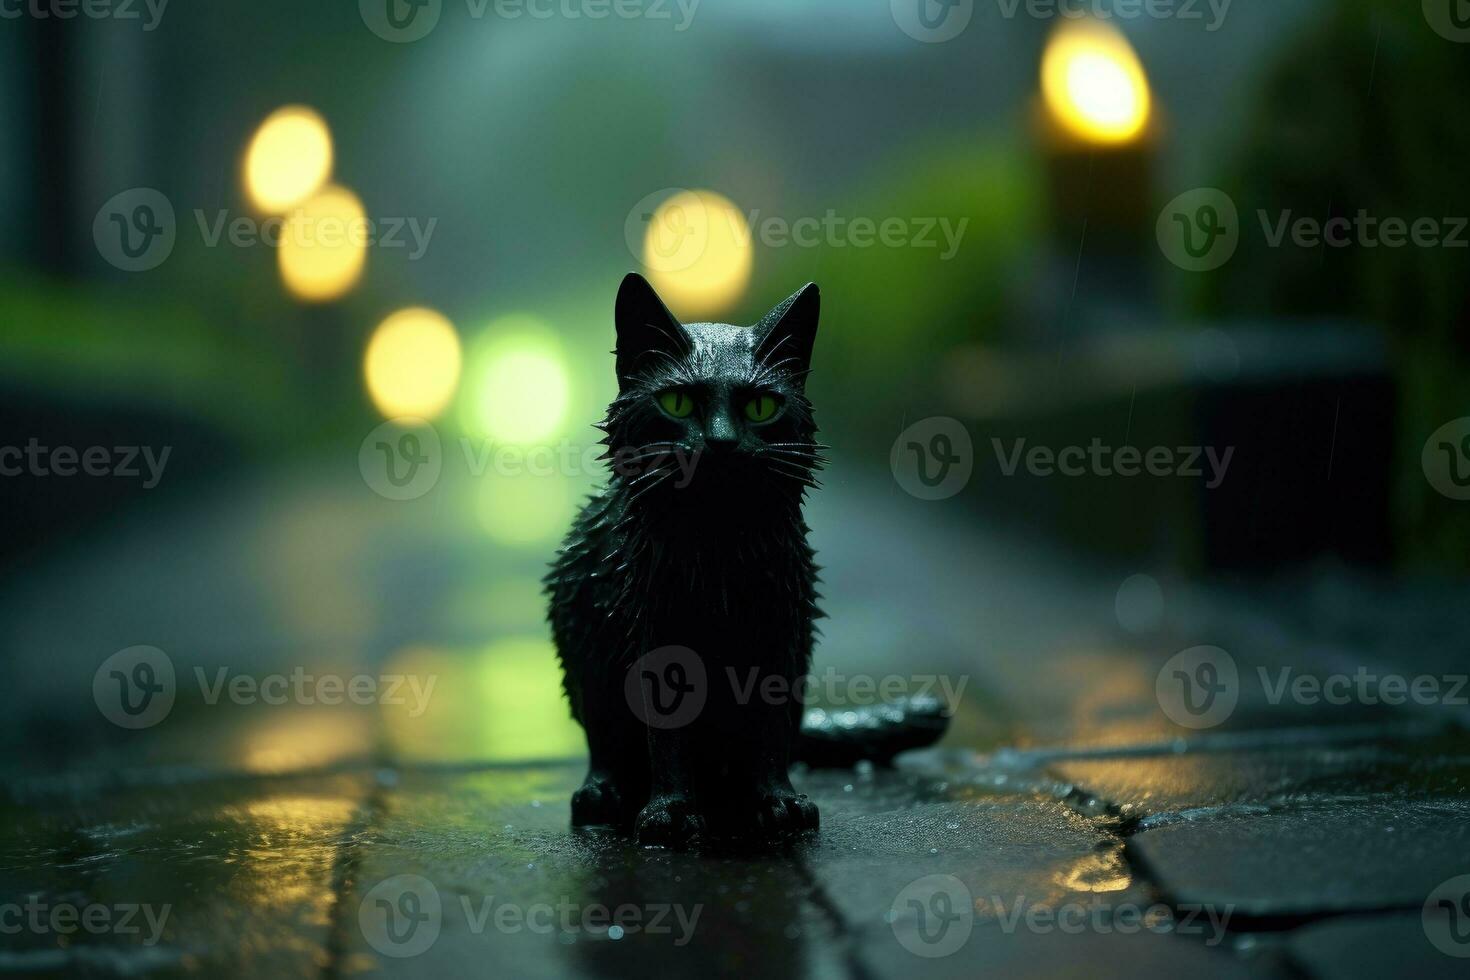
{"points": [[698, 541]]}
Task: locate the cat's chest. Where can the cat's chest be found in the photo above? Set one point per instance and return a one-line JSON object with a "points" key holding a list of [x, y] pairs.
{"points": [[725, 595]]}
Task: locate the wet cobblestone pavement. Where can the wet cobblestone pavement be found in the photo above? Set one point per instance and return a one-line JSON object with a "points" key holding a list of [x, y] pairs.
{"points": [[1066, 825]]}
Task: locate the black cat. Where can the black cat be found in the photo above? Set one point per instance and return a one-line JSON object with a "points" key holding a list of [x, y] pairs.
{"points": [[683, 600]]}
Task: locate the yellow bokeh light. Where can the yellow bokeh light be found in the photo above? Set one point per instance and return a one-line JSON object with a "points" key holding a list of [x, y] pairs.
{"points": [[521, 699], [1093, 83], [289, 158], [529, 508], [324, 245], [412, 364], [517, 383], [698, 253], [504, 702]]}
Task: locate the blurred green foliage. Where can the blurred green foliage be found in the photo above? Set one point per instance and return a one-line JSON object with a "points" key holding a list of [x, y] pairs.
{"points": [[889, 315], [1362, 113], [100, 344]]}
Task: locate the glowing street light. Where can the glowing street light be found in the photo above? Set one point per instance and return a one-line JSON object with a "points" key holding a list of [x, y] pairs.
{"points": [[698, 254], [412, 364], [1093, 83], [324, 245], [517, 386], [289, 158]]}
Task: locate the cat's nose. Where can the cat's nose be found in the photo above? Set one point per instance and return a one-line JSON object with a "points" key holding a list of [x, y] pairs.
{"points": [[719, 433]]}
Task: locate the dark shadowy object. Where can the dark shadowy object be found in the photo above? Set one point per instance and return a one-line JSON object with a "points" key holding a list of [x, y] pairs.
{"points": [[698, 544]]}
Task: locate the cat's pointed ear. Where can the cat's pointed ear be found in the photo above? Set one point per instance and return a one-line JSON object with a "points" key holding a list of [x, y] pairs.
{"points": [[785, 335], [644, 326]]}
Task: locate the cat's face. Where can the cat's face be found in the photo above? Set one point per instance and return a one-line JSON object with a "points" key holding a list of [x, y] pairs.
{"points": [[730, 398]]}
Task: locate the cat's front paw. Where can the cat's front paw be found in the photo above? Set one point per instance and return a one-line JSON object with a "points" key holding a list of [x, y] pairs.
{"points": [[599, 802], [783, 813], [669, 821]]}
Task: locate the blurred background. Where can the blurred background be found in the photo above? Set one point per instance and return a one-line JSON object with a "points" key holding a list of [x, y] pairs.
{"points": [[244, 239]]}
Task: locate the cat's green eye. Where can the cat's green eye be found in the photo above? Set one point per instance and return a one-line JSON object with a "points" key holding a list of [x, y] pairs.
{"points": [[762, 408], [676, 402]]}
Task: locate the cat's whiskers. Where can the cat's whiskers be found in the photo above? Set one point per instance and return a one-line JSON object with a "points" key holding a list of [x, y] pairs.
{"points": [[808, 459], [817, 446], [792, 471]]}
